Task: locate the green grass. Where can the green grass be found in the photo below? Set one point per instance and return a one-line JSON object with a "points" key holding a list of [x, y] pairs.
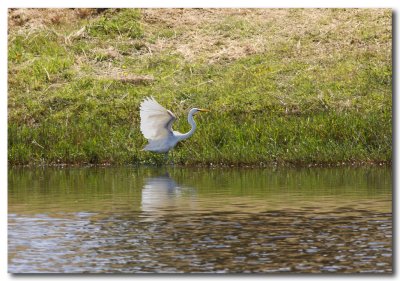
{"points": [[327, 99]]}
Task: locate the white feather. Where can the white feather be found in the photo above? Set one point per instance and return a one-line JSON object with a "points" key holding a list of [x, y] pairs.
{"points": [[155, 120]]}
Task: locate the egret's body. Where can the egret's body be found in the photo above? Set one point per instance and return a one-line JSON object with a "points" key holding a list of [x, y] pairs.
{"points": [[156, 126]]}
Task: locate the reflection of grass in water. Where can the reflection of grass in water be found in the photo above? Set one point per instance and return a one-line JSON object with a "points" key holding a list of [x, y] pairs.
{"points": [[297, 86], [91, 189]]}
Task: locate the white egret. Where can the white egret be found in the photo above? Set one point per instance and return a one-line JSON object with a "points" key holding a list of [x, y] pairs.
{"points": [[156, 126]]}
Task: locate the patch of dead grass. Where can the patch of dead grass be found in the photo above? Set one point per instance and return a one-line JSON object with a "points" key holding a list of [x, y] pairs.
{"points": [[105, 70], [207, 33], [36, 18]]}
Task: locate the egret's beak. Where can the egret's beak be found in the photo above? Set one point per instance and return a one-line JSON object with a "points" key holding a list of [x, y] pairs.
{"points": [[203, 110]]}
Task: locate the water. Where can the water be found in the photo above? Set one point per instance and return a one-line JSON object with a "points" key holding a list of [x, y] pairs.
{"points": [[128, 220]]}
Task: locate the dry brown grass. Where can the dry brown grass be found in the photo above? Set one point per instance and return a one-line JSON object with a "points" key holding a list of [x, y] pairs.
{"points": [[36, 18], [197, 36], [108, 72], [212, 34]]}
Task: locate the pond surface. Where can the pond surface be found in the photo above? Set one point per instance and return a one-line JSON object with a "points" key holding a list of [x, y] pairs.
{"points": [[135, 220]]}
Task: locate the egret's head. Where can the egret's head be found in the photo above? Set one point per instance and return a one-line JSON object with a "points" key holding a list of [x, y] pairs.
{"points": [[195, 110]]}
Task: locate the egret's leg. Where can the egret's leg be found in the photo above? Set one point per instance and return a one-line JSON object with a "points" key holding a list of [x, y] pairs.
{"points": [[166, 158]]}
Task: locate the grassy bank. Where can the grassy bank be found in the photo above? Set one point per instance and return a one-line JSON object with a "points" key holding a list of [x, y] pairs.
{"points": [[284, 85]]}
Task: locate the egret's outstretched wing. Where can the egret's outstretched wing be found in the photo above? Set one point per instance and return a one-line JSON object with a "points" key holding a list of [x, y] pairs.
{"points": [[155, 120]]}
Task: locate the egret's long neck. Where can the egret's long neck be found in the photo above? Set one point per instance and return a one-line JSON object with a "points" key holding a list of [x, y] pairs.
{"points": [[193, 124]]}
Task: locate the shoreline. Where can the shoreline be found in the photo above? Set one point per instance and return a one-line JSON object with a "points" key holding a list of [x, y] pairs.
{"points": [[348, 164]]}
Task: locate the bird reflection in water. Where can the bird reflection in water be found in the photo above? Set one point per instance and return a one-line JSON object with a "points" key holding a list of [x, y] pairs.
{"points": [[163, 194]]}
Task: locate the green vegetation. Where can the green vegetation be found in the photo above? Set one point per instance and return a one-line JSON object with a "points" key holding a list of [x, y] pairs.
{"points": [[284, 85]]}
